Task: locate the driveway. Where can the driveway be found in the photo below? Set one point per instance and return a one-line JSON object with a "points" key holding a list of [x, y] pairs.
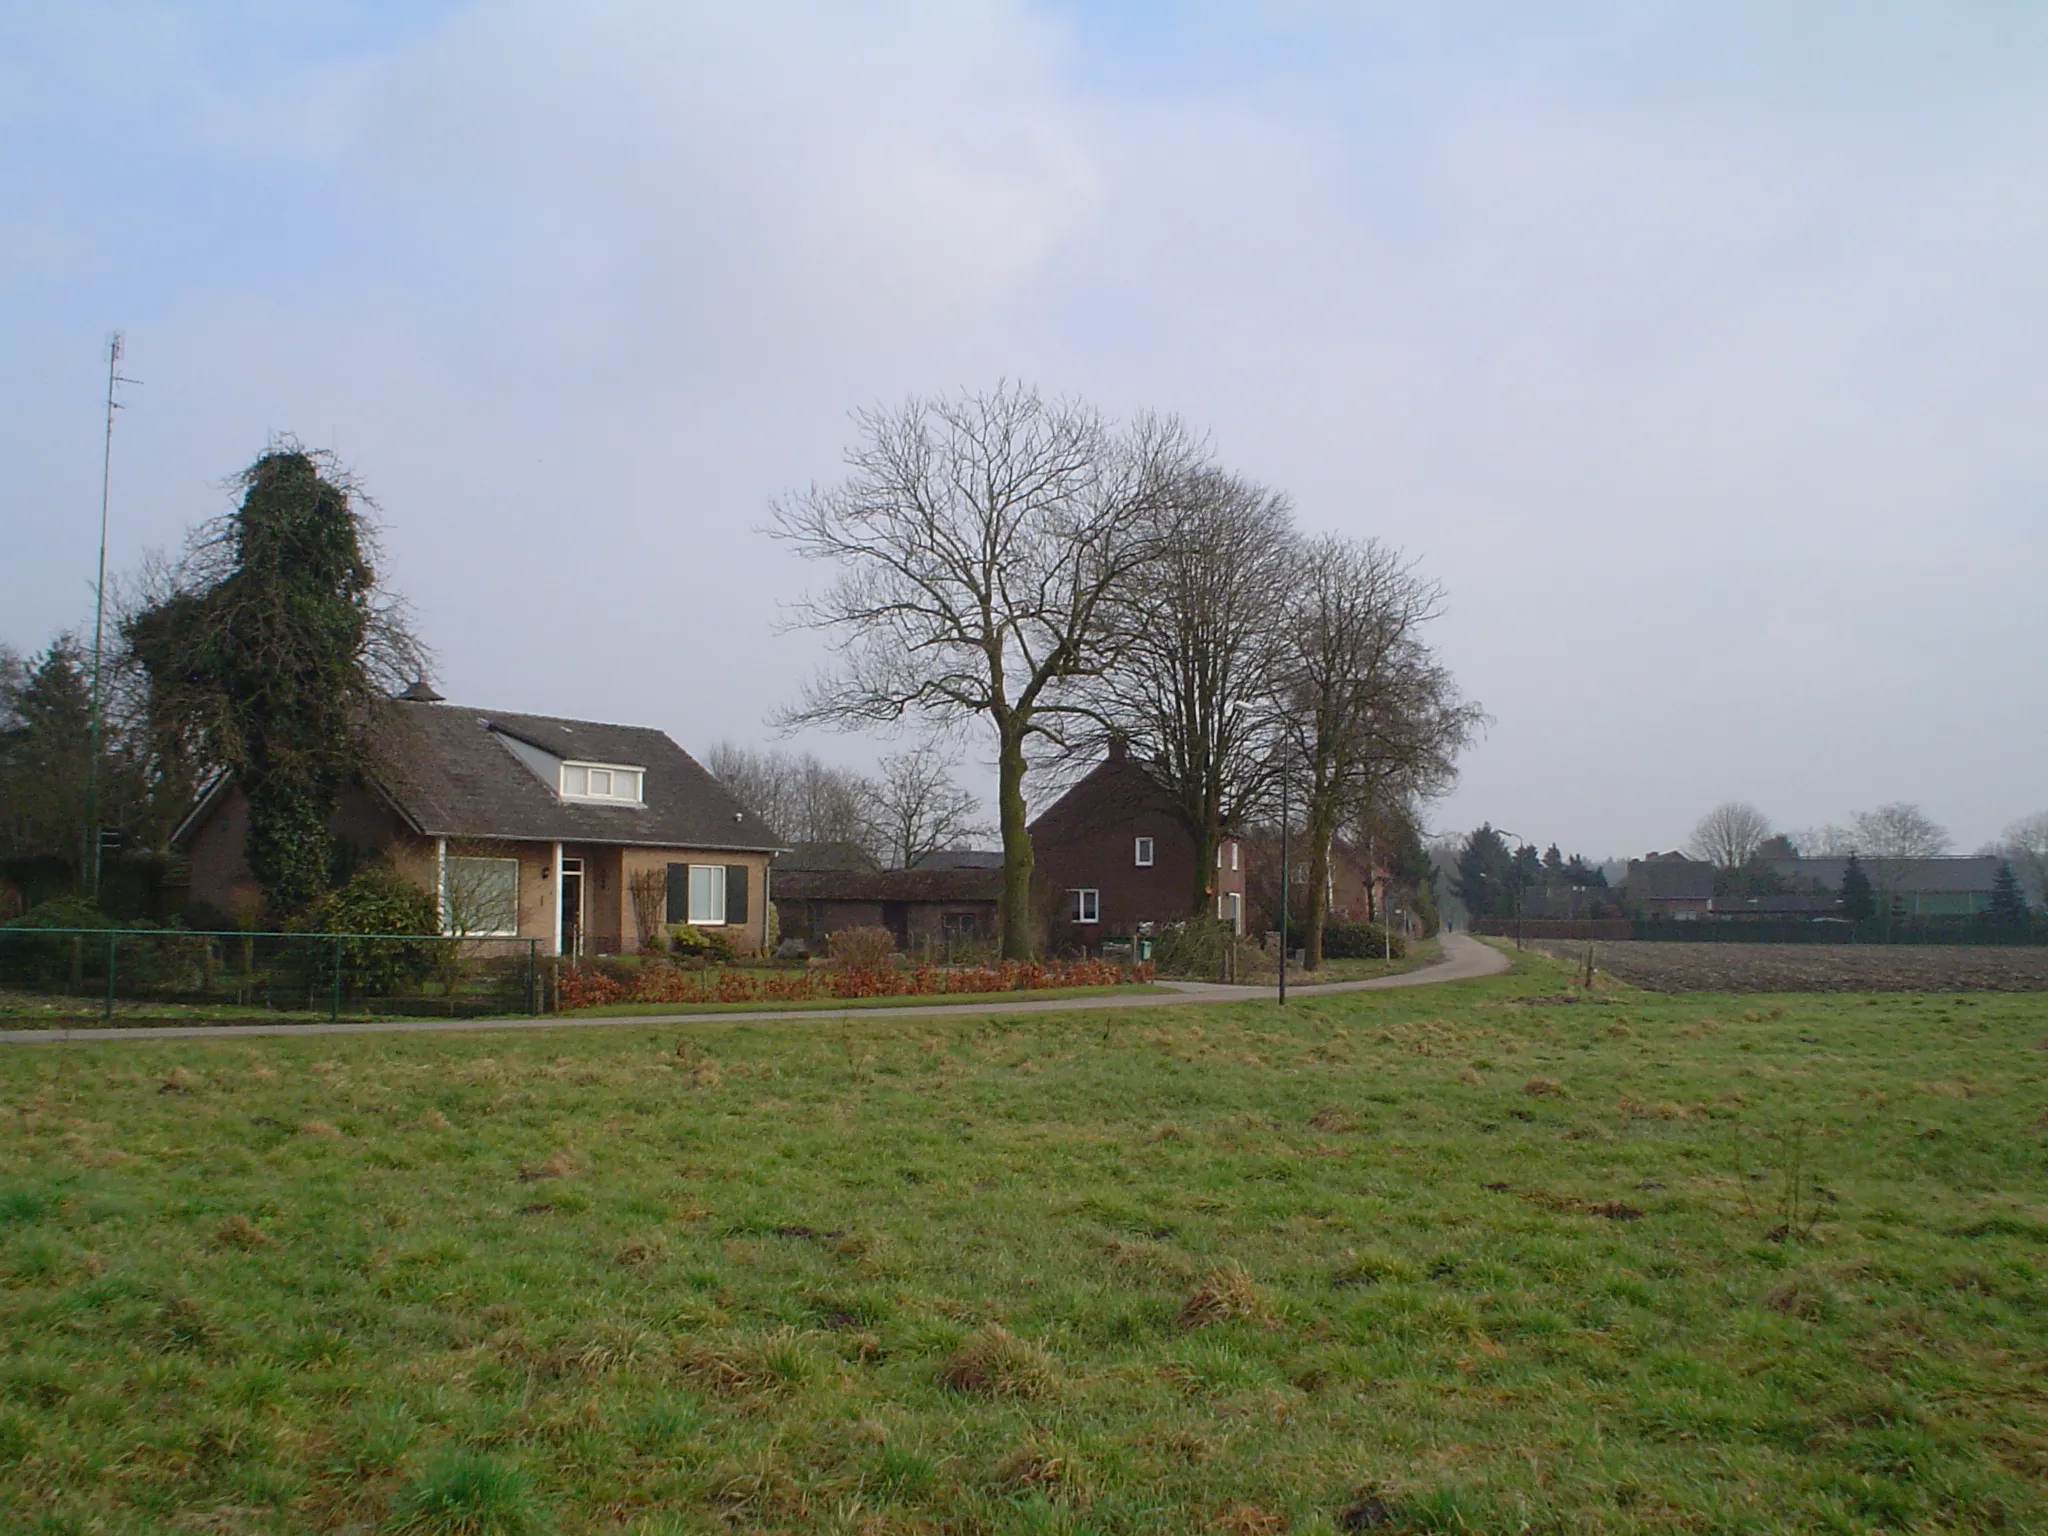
{"points": [[1463, 959]]}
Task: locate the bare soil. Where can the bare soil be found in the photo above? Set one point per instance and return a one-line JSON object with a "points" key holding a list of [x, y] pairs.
{"points": [[1661, 967]]}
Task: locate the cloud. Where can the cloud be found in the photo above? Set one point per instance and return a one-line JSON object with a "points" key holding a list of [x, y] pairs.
{"points": [[1695, 349]]}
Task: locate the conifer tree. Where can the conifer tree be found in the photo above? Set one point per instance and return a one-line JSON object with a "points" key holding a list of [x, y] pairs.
{"points": [[1859, 901], [2008, 907]]}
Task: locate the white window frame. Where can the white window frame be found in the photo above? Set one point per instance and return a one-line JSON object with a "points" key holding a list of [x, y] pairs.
{"points": [[610, 795], [717, 882], [448, 863], [1233, 856], [1087, 904], [1142, 851]]}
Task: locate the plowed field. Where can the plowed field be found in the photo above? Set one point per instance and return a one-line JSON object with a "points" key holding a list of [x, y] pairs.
{"points": [[1814, 967]]}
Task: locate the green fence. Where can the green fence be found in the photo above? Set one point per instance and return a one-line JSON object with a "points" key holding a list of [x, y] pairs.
{"points": [[1956, 930], [67, 976]]}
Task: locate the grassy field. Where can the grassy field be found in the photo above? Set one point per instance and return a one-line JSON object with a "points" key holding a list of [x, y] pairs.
{"points": [[1482, 1258]]}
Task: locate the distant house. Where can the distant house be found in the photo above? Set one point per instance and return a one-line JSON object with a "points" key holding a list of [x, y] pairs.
{"points": [[923, 908], [1914, 888], [1571, 903], [961, 858], [1669, 885], [1355, 887], [527, 826], [1781, 907], [1112, 856]]}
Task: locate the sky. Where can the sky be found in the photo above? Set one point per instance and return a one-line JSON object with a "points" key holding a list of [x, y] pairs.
{"points": [[1700, 351]]}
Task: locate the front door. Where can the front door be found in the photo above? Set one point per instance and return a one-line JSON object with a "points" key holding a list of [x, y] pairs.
{"points": [[572, 907]]}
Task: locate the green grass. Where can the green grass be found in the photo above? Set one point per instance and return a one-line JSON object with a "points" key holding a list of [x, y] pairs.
{"points": [[1480, 1258], [841, 1004]]}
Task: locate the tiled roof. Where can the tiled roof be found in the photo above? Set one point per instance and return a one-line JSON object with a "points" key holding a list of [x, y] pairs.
{"points": [[455, 771], [961, 858], [1926, 876], [1669, 879], [888, 885], [802, 856]]}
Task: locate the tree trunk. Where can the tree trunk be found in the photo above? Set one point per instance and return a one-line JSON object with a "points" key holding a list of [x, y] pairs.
{"points": [[1207, 838], [1316, 903], [1017, 857]]}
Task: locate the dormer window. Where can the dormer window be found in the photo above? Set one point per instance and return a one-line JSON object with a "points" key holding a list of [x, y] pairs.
{"points": [[608, 782]]}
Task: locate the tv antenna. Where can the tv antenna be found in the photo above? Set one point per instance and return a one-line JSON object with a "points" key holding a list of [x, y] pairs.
{"points": [[94, 830]]}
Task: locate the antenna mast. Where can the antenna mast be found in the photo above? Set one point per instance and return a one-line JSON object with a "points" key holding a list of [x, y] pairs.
{"points": [[99, 619]]}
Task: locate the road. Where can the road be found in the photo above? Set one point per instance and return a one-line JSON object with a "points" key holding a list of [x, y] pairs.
{"points": [[1463, 959]]}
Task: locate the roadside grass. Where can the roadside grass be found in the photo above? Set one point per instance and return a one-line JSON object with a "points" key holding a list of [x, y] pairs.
{"points": [[1484, 1258], [30, 1011], [1423, 952], [938, 1003]]}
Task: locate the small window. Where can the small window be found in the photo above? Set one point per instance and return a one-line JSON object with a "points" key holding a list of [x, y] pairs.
{"points": [[1219, 855], [1144, 853], [480, 898], [707, 894], [1087, 906], [601, 781], [1233, 855]]}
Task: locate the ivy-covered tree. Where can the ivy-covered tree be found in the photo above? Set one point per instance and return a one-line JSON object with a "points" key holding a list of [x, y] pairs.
{"points": [[1859, 900], [2008, 907], [266, 653]]}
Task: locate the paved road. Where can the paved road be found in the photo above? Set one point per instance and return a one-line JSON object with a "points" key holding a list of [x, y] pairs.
{"points": [[1463, 959]]}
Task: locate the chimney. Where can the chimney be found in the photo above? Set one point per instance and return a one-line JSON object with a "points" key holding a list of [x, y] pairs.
{"points": [[1119, 747]]}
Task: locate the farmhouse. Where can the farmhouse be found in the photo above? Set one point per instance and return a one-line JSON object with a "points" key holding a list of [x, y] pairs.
{"points": [[1112, 856], [527, 826]]}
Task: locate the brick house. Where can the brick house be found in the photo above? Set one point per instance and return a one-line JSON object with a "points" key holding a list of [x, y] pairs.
{"points": [[1669, 885], [527, 826], [1112, 856]]}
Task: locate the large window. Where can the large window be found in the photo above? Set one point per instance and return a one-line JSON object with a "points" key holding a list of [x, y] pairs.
{"points": [[707, 893], [601, 781], [480, 897], [1143, 855], [1087, 906]]}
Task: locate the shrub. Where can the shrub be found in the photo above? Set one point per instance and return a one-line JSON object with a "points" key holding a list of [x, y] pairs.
{"points": [[863, 949], [56, 959], [1193, 948], [378, 900], [689, 939], [1359, 941]]}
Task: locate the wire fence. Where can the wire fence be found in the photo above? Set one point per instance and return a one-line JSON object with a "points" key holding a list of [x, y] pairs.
{"points": [[1750, 930], [64, 977]]}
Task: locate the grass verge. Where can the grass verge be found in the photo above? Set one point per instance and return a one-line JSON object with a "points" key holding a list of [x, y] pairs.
{"points": [[1485, 1258]]}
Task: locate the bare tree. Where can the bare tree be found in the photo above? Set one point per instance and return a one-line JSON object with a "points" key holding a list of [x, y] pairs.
{"points": [[648, 892], [1195, 695], [1897, 831], [978, 540], [1372, 716], [918, 807], [1729, 835], [2024, 845], [1826, 841], [799, 797]]}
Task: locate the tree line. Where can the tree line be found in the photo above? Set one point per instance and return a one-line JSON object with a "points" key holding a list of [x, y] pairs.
{"points": [[1023, 562], [1493, 878], [1739, 841], [1004, 558]]}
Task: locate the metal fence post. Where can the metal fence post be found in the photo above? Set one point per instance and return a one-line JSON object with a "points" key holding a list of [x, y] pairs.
{"points": [[335, 1011], [113, 944]]}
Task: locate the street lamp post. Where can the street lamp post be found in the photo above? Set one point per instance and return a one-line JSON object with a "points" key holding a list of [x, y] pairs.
{"points": [[1286, 888]]}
